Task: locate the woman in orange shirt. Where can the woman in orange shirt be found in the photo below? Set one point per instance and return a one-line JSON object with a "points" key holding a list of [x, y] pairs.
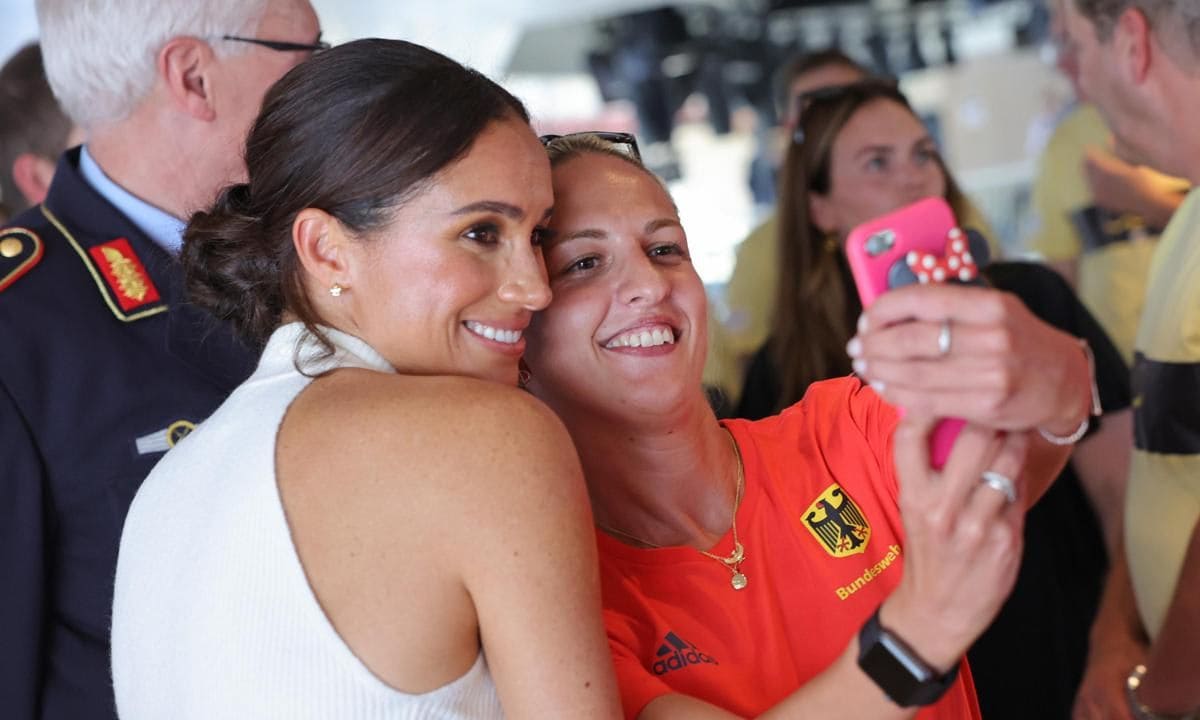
{"points": [[810, 562]]}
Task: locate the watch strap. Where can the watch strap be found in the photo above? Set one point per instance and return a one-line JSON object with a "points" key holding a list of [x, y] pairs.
{"points": [[896, 668]]}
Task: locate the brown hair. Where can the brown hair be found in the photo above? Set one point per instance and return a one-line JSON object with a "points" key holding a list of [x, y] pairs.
{"points": [[354, 131], [817, 305], [30, 119], [804, 63], [1181, 17]]}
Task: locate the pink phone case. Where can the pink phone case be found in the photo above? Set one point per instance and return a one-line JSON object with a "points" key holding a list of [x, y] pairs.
{"points": [[919, 243]]}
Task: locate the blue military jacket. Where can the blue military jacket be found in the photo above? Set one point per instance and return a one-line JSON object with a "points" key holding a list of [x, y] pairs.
{"points": [[102, 369]]}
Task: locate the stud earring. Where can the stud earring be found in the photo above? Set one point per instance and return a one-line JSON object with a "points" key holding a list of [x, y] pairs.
{"points": [[336, 290]]}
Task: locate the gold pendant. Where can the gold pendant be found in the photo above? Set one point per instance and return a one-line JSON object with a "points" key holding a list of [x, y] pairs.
{"points": [[736, 556], [738, 581]]}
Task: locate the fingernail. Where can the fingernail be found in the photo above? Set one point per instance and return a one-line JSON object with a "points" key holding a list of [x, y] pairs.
{"points": [[854, 347], [862, 323], [860, 366], [877, 386]]}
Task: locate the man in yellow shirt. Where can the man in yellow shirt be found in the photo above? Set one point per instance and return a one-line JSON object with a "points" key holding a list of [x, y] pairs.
{"points": [[1098, 219], [1139, 62]]}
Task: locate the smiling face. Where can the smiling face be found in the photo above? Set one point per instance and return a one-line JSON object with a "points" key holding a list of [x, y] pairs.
{"points": [[626, 330], [882, 159], [450, 284]]}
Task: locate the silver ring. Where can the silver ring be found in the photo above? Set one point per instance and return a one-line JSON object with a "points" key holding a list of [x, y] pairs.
{"points": [[1000, 484], [944, 339]]}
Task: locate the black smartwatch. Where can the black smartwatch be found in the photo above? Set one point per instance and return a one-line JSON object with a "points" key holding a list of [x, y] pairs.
{"points": [[902, 675]]}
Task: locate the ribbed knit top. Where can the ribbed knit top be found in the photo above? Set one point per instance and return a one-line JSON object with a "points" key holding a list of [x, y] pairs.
{"points": [[213, 616]]}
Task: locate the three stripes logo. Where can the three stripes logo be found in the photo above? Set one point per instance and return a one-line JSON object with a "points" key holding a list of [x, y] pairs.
{"points": [[676, 654]]}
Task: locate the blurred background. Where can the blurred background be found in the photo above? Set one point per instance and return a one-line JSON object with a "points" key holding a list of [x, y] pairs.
{"points": [[693, 80]]}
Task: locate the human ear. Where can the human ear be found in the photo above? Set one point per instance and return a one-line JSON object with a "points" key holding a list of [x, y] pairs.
{"points": [[1134, 40], [321, 245], [32, 174], [186, 68]]}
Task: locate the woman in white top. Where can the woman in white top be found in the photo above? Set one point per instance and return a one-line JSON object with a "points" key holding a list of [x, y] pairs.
{"points": [[379, 508]]}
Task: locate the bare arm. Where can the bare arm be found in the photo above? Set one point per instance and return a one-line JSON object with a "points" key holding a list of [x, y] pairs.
{"points": [[433, 515], [1121, 187], [1101, 462], [1117, 643], [1172, 682], [530, 568]]}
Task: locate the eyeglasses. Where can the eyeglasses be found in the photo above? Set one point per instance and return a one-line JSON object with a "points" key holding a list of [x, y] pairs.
{"points": [[282, 45], [615, 138], [871, 87]]}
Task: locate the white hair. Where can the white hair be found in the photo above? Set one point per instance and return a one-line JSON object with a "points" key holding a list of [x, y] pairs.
{"points": [[100, 55]]}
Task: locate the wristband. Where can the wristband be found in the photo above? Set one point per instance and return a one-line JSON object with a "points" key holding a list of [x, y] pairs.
{"points": [[903, 676]]}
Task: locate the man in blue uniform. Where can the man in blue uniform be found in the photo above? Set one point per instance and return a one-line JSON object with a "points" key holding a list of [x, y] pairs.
{"points": [[102, 366]]}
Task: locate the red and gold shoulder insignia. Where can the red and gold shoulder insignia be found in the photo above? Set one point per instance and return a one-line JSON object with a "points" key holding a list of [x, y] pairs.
{"points": [[20, 250], [126, 276], [118, 274]]}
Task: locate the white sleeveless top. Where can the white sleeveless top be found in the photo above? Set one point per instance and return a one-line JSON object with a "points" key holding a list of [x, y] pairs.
{"points": [[213, 616]]}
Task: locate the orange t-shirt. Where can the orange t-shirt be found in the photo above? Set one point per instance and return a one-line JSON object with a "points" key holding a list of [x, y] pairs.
{"points": [[823, 544]]}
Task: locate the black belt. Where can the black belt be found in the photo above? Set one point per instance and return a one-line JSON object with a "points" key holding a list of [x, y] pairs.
{"points": [[1099, 228], [1166, 402]]}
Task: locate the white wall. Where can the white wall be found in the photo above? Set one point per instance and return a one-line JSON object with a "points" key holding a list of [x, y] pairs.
{"points": [[18, 25]]}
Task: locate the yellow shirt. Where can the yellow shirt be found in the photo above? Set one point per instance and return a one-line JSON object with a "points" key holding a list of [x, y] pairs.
{"points": [[1114, 251], [738, 326], [1162, 503]]}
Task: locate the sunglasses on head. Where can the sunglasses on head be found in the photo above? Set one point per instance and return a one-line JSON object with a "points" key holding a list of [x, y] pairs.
{"points": [[622, 140], [871, 87]]}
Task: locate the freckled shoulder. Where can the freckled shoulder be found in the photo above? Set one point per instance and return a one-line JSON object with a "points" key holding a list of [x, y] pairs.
{"points": [[474, 463], [21, 250], [441, 424]]}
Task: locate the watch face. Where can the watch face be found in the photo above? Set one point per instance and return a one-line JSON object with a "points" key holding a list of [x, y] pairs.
{"points": [[915, 668]]}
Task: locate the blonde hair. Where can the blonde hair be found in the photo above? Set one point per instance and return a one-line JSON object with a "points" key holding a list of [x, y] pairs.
{"points": [[566, 147]]}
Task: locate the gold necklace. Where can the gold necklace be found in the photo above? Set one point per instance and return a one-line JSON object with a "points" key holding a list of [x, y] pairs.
{"points": [[734, 560]]}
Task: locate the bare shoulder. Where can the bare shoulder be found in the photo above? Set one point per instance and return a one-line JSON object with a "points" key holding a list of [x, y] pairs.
{"points": [[465, 431], [416, 488]]}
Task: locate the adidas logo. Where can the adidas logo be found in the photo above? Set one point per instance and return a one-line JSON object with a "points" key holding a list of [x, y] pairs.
{"points": [[676, 654]]}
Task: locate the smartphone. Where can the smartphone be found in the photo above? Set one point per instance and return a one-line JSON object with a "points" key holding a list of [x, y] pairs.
{"points": [[919, 243]]}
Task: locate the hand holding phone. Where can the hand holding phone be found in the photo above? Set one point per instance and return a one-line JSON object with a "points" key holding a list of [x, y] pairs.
{"points": [[919, 243]]}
